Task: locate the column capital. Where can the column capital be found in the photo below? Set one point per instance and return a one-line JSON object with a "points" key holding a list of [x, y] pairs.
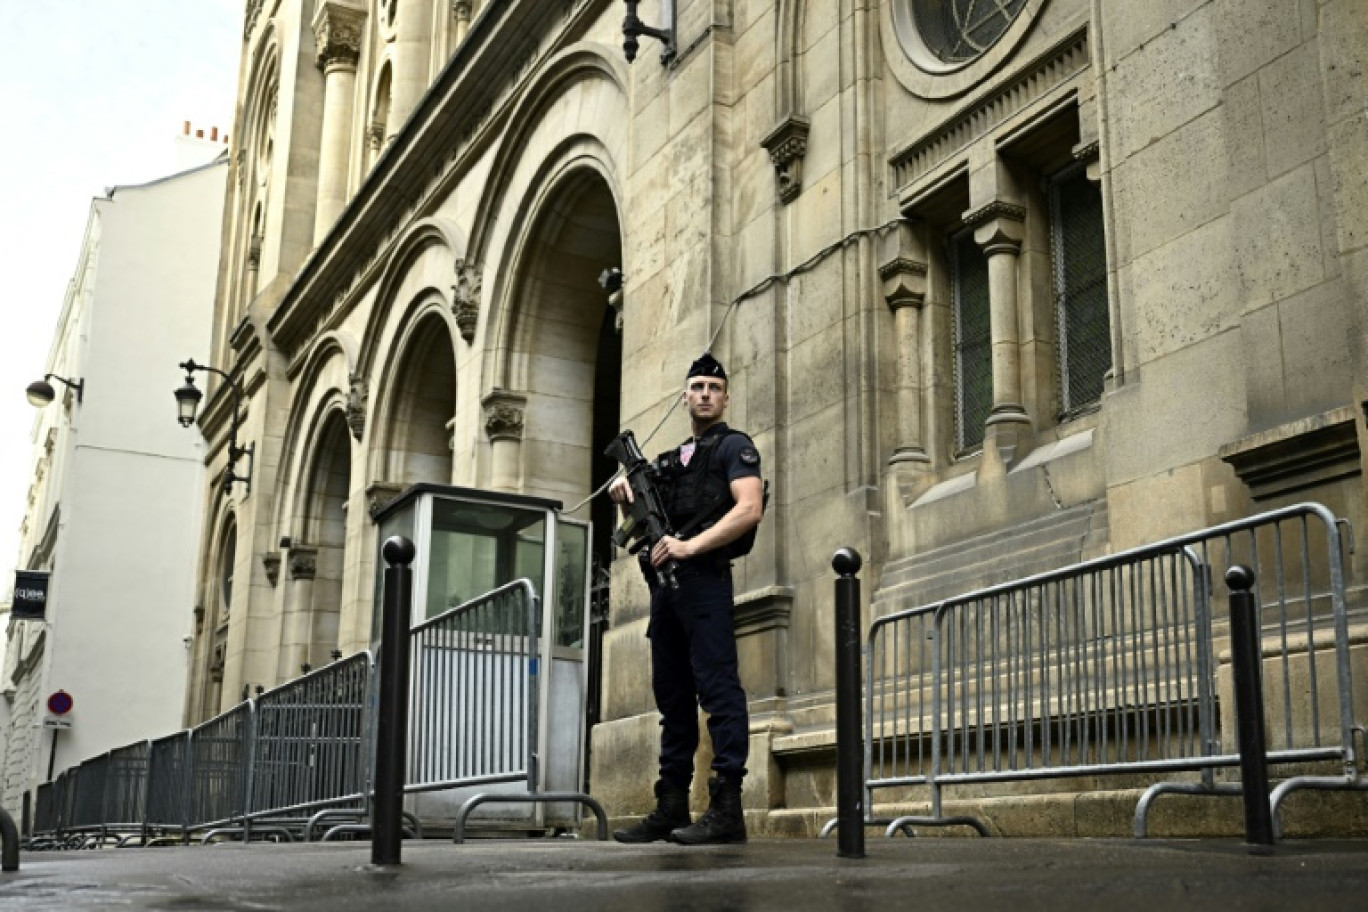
{"points": [[503, 414], [998, 224], [904, 283], [337, 28], [303, 562]]}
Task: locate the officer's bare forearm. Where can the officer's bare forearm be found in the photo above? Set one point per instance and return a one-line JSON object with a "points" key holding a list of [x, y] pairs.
{"points": [[736, 522]]}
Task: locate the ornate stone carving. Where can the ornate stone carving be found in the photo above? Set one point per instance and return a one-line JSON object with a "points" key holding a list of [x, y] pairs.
{"points": [[303, 562], [271, 561], [380, 494], [254, 252], [503, 414], [375, 135], [358, 398], [787, 145], [998, 226], [465, 301], [995, 209], [461, 9], [337, 33], [253, 11], [904, 282]]}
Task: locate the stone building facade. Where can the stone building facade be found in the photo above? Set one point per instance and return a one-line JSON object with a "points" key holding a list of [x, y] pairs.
{"points": [[999, 287]]}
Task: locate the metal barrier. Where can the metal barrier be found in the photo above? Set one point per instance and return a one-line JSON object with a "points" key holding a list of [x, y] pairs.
{"points": [[125, 798], [219, 753], [475, 700], [1110, 667], [168, 786], [310, 741], [308, 746]]}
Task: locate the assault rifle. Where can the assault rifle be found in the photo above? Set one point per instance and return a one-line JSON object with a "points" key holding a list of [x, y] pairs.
{"points": [[646, 521]]}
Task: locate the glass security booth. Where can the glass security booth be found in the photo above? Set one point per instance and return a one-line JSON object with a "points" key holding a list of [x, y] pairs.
{"points": [[498, 628]]}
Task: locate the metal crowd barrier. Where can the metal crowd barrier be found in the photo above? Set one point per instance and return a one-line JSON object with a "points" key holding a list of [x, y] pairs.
{"points": [[1110, 667], [308, 746], [475, 703], [309, 749], [473, 693]]}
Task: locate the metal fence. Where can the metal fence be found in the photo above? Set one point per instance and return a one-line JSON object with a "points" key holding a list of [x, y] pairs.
{"points": [[1111, 667], [473, 692], [308, 745]]}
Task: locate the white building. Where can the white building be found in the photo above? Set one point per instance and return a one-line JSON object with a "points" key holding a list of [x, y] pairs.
{"points": [[114, 508]]}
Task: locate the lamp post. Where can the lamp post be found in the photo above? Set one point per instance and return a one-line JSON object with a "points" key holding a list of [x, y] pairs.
{"points": [[40, 392], [187, 403]]}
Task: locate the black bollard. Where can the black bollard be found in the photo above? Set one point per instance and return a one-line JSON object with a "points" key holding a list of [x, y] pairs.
{"points": [[9, 833], [849, 755], [391, 736], [1246, 662]]}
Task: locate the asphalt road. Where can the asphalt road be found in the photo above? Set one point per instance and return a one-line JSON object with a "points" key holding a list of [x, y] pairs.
{"points": [[787, 875]]}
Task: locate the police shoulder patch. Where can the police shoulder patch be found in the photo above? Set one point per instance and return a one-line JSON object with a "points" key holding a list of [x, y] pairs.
{"points": [[749, 456]]}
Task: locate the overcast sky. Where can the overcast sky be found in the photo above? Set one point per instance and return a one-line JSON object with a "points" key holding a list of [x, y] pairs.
{"points": [[97, 91]]}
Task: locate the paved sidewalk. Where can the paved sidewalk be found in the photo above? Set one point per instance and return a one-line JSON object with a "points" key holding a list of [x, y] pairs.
{"points": [[788, 875]]}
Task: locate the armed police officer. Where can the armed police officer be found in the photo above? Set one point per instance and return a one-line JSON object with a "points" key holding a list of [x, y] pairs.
{"points": [[714, 495]]}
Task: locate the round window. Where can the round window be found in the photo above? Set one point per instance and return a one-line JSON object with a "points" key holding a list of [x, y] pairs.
{"points": [[956, 31], [943, 48]]}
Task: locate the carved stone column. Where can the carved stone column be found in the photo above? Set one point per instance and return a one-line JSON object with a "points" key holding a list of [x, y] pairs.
{"points": [[904, 288], [412, 52], [337, 30], [503, 414], [296, 625], [999, 228]]}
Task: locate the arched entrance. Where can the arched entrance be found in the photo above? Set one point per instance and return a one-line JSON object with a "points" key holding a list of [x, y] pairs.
{"points": [[571, 340], [322, 552], [423, 406], [566, 353]]}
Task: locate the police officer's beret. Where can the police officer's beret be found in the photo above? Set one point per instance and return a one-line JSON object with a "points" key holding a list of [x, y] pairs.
{"points": [[706, 366]]}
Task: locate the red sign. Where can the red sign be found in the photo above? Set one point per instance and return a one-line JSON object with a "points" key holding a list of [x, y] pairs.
{"points": [[60, 703]]}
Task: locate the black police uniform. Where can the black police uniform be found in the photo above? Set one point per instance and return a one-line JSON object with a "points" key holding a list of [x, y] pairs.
{"points": [[693, 646]]}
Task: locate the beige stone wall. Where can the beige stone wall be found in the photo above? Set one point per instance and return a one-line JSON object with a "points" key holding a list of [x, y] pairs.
{"points": [[751, 191]]}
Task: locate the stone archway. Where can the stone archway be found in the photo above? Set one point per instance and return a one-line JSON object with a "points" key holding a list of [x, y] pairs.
{"points": [[566, 346], [313, 612], [422, 407]]}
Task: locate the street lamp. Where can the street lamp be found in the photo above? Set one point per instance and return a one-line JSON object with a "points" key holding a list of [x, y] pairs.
{"points": [[40, 392], [633, 28], [187, 403]]}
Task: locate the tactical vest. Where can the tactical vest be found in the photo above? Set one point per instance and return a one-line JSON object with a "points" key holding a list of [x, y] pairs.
{"points": [[696, 496]]}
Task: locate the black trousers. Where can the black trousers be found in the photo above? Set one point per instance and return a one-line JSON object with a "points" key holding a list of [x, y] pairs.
{"points": [[693, 664]]}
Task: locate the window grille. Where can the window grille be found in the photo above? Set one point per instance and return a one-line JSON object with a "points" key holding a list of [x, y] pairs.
{"points": [[973, 340], [960, 30], [1078, 247]]}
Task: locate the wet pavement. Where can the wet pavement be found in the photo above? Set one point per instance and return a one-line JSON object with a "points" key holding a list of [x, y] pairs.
{"points": [[788, 875]]}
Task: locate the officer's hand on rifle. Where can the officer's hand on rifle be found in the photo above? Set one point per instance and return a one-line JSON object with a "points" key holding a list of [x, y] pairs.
{"points": [[671, 547], [620, 491]]}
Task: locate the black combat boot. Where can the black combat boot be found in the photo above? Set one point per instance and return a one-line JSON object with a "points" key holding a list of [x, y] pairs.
{"points": [[722, 822], [671, 812]]}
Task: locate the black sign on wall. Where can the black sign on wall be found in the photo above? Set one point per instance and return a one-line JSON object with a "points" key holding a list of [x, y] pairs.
{"points": [[30, 595]]}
